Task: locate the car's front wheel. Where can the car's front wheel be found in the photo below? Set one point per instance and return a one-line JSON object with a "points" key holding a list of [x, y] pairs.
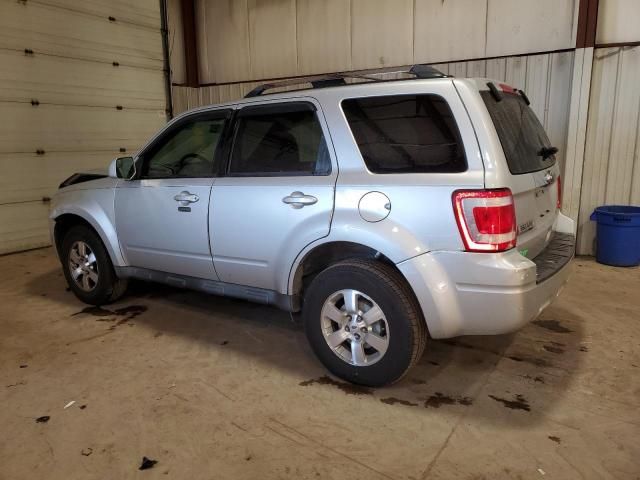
{"points": [[363, 322], [88, 268]]}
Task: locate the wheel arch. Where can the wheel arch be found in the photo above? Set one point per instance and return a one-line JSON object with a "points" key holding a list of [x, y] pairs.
{"points": [[320, 256], [63, 222], [310, 263]]}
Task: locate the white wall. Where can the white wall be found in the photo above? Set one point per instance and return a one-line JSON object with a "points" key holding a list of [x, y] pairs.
{"points": [[618, 21], [247, 40], [611, 172]]}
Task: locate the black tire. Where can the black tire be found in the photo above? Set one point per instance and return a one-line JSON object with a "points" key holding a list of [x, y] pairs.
{"points": [[386, 287], [108, 287]]}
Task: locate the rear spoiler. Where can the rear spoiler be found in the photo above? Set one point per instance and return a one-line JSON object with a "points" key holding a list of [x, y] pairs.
{"points": [[496, 92]]}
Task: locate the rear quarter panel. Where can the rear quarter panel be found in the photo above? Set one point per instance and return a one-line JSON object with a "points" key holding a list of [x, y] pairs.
{"points": [[421, 217]]}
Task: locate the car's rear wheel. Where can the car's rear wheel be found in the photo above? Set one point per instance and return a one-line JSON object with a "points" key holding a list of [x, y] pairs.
{"points": [[88, 268], [363, 322]]}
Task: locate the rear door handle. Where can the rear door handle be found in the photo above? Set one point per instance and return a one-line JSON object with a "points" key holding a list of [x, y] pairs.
{"points": [[299, 199], [186, 197]]}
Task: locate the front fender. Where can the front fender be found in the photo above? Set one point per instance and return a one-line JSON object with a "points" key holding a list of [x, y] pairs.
{"points": [[97, 208]]}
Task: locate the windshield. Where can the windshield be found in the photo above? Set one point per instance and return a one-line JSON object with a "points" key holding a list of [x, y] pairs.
{"points": [[524, 141]]}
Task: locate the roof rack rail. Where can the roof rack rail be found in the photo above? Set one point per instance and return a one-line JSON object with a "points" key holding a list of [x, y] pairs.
{"points": [[337, 79], [426, 71]]}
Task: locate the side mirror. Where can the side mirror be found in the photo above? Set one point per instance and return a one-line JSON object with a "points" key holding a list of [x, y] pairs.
{"points": [[123, 167]]}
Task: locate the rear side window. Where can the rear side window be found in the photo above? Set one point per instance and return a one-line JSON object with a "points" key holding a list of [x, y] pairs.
{"points": [[523, 138], [279, 140], [406, 134]]}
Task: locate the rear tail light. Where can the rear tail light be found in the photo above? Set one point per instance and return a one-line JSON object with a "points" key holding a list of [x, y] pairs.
{"points": [[559, 200], [486, 219]]}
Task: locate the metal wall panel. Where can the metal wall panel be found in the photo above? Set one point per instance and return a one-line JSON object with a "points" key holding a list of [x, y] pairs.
{"points": [[497, 68], [52, 79], [224, 34], [272, 38], [381, 33], [21, 226], [516, 71], [140, 12], [577, 131], [249, 40], [324, 39], [521, 26], [45, 29], [81, 83], [70, 128], [612, 156], [618, 21], [557, 104], [19, 184], [436, 22]]}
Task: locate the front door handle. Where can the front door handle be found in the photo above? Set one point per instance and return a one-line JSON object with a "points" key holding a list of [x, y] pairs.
{"points": [[299, 199], [186, 197]]}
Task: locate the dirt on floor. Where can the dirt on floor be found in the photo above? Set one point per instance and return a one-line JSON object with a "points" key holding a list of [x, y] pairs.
{"points": [[216, 388]]}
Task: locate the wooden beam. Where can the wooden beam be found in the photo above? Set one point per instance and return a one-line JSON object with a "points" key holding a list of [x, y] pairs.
{"points": [[587, 23], [190, 42]]}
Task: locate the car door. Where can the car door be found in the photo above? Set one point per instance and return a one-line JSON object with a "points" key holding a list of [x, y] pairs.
{"points": [[162, 214], [277, 194]]}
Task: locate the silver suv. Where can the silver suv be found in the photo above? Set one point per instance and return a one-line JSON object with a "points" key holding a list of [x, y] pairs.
{"points": [[386, 212]]}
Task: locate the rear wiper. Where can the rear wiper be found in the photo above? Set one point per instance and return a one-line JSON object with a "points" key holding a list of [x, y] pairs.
{"points": [[546, 152]]}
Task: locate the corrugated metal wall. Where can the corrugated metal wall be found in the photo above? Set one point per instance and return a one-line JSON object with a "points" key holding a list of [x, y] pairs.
{"points": [[611, 172], [618, 21], [247, 40], [66, 68]]}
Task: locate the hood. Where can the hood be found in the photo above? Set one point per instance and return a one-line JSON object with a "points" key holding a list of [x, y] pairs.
{"points": [[85, 176]]}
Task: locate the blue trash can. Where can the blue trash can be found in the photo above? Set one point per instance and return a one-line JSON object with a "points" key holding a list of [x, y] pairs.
{"points": [[617, 235]]}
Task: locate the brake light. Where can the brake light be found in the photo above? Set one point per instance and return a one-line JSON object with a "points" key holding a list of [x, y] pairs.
{"points": [[486, 219], [559, 200], [507, 88]]}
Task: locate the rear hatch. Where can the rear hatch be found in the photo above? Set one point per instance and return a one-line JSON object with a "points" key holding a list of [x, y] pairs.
{"points": [[533, 173]]}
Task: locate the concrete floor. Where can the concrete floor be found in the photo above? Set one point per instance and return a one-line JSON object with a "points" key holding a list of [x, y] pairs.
{"points": [[217, 388]]}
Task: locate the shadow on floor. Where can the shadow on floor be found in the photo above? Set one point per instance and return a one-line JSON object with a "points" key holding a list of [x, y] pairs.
{"points": [[507, 378]]}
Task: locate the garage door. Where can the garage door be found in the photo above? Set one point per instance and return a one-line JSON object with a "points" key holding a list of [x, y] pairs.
{"points": [[80, 83]]}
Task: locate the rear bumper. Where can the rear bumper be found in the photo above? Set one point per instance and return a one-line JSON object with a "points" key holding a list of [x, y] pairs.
{"points": [[463, 293]]}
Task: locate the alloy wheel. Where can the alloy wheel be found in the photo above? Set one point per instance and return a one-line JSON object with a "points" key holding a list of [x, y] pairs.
{"points": [[354, 327], [83, 266]]}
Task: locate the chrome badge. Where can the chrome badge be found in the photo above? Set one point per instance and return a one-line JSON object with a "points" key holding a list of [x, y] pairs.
{"points": [[525, 227]]}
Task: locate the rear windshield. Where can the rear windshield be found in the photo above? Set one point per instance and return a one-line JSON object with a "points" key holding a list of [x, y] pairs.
{"points": [[406, 134], [522, 136]]}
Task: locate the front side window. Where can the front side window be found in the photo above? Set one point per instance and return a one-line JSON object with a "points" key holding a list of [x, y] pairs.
{"points": [[188, 151], [406, 134], [279, 140]]}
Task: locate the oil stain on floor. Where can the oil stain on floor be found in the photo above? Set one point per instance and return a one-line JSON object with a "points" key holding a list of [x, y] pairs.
{"points": [[518, 403], [439, 399], [347, 388]]}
